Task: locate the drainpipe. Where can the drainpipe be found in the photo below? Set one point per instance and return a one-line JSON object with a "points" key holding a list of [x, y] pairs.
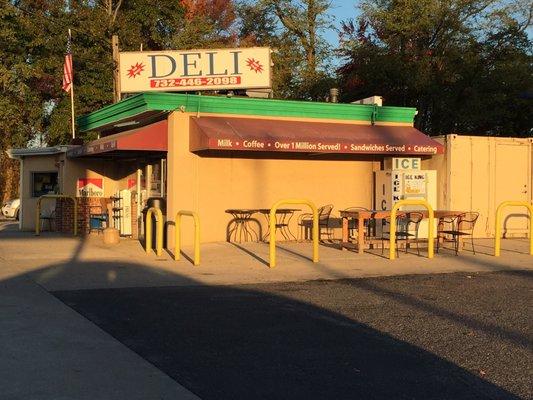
{"points": [[21, 191], [162, 177], [63, 164], [139, 198], [148, 180]]}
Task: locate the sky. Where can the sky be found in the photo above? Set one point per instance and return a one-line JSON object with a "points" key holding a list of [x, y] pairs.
{"points": [[340, 10], [345, 9]]}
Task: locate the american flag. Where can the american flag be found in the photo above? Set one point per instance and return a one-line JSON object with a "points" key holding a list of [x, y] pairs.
{"points": [[68, 73]]}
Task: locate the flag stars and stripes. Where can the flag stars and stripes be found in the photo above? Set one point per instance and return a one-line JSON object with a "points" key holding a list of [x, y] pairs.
{"points": [[68, 72]]}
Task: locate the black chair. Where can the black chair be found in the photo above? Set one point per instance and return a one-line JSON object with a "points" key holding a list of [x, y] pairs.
{"points": [[385, 230], [353, 223], [305, 223], [324, 214], [445, 224], [413, 220], [407, 224], [464, 226]]}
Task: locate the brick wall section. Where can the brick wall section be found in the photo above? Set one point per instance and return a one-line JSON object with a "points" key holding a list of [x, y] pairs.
{"points": [[86, 206], [64, 215]]}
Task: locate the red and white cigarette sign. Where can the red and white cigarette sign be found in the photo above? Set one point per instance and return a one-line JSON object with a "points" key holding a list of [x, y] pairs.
{"points": [[90, 187]]}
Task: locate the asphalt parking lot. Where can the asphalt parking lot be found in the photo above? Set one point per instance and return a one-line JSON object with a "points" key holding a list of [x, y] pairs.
{"points": [[439, 336]]}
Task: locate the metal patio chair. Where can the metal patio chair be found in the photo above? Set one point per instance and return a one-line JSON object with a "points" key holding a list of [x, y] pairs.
{"points": [[445, 224], [407, 224], [305, 223], [463, 226], [410, 233]]}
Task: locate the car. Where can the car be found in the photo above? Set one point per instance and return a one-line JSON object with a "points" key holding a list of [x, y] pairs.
{"points": [[11, 209]]}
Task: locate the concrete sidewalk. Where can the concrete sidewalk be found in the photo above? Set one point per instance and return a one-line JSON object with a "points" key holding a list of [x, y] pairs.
{"points": [[68, 263], [50, 352]]}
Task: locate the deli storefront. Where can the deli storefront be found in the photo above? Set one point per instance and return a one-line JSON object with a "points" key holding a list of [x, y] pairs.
{"points": [[212, 153]]}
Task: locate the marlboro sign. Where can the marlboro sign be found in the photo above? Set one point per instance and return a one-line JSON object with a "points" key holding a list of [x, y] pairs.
{"points": [[221, 69], [90, 187]]}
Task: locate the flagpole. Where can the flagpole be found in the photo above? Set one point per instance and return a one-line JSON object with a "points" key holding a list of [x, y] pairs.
{"points": [[72, 98], [72, 111]]}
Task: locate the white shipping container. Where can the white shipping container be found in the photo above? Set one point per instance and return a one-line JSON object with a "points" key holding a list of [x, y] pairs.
{"points": [[477, 173]]}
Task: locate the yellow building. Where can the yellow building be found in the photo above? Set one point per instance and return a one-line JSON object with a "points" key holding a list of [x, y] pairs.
{"points": [[210, 154], [213, 153]]}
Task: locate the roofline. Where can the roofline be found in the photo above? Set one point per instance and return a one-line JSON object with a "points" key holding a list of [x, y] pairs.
{"points": [[37, 151], [157, 102]]}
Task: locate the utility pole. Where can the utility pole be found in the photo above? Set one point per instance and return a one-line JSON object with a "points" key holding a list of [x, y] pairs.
{"points": [[116, 69]]}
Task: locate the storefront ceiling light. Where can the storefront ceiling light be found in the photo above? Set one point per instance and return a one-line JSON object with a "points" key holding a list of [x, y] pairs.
{"points": [[127, 123]]}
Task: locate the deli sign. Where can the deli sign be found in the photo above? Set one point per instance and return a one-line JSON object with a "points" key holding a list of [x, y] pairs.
{"points": [[190, 70]]}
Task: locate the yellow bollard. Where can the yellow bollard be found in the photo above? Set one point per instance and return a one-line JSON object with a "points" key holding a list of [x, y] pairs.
{"points": [[177, 241], [55, 196], [498, 233], [158, 231], [272, 228], [392, 235]]}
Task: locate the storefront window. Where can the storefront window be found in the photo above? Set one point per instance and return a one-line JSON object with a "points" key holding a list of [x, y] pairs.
{"points": [[44, 183]]}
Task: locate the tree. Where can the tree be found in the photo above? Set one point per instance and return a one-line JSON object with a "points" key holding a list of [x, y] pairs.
{"points": [[25, 82], [154, 25], [300, 43], [304, 19], [440, 57], [211, 21], [258, 25], [34, 34]]}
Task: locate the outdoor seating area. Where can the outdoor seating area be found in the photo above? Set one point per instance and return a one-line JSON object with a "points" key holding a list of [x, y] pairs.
{"points": [[373, 225], [356, 228]]}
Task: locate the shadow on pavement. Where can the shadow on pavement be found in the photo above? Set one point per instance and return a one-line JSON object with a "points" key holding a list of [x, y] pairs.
{"points": [[225, 342]]}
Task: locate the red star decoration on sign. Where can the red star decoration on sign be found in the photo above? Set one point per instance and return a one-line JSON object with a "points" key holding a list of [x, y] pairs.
{"points": [[254, 65], [135, 70]]}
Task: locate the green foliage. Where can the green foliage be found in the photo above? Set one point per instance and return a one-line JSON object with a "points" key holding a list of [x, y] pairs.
{"points": [[35, 34], [259, 26], [466, 65], [293, 28]]}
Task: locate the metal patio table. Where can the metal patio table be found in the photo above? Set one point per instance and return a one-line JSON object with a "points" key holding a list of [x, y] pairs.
{"points": [[283, 219], [242, 219]]}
